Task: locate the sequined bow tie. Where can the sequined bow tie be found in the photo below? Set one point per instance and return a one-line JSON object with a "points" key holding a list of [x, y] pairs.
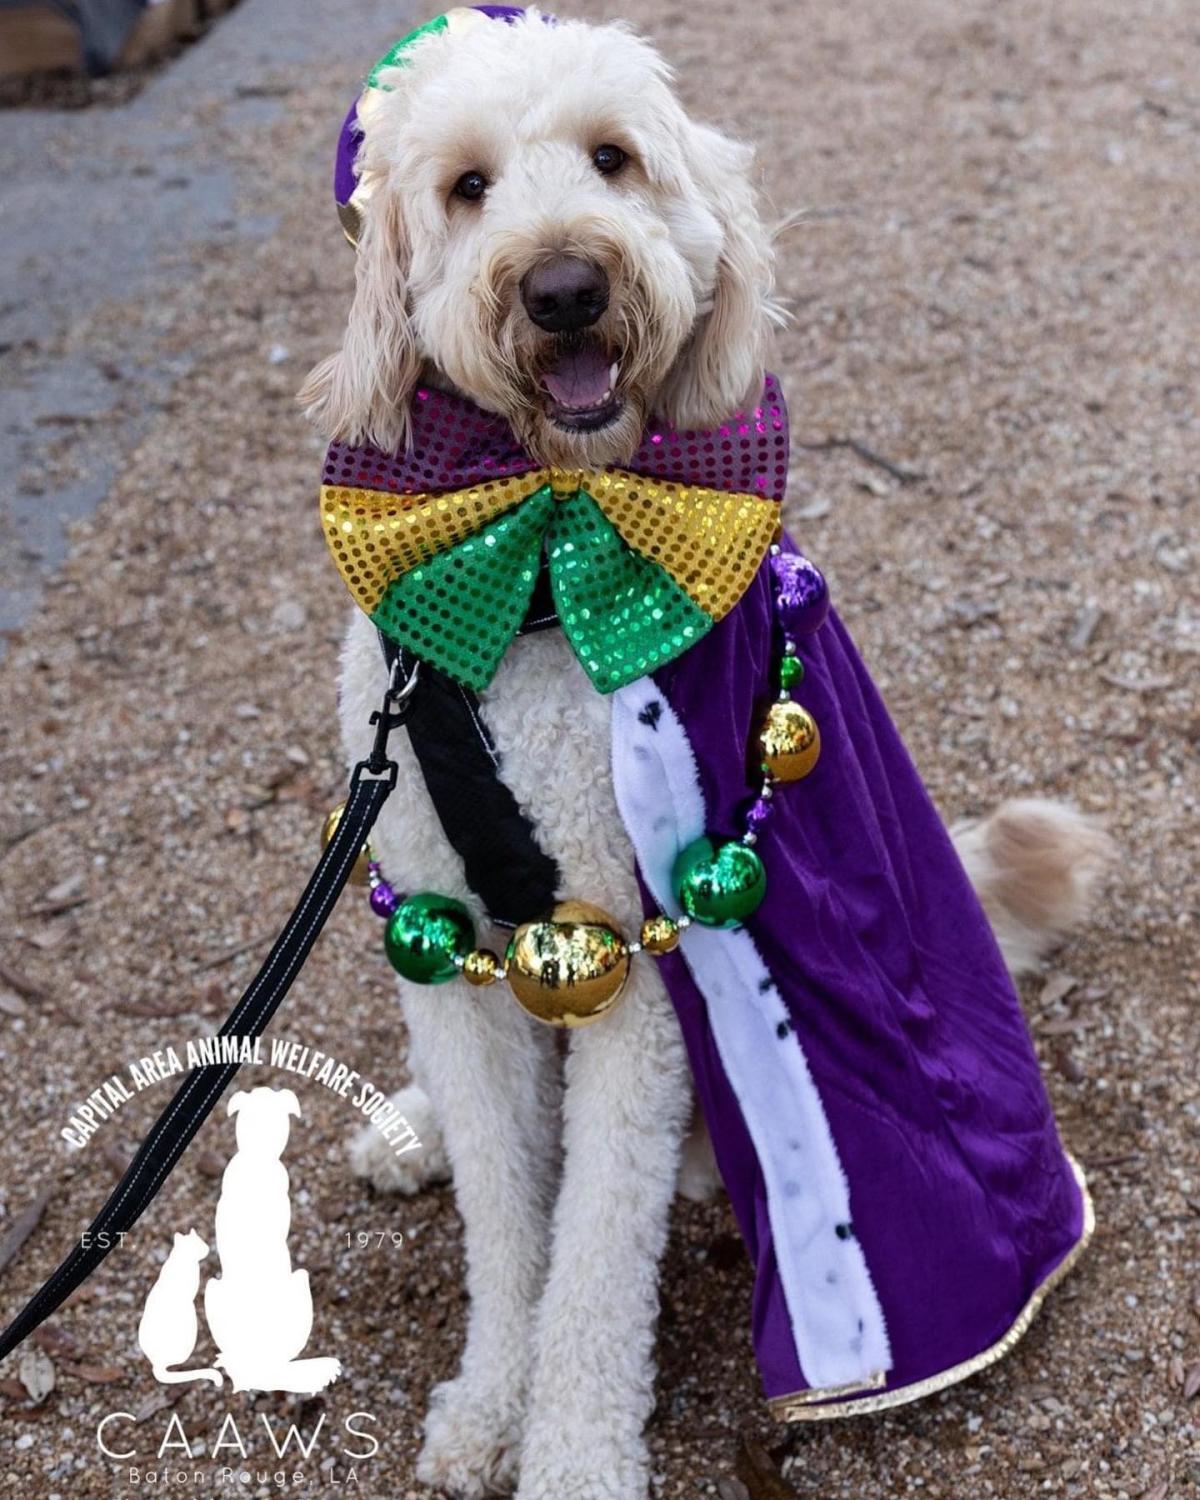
{"points": [[641, 565]]}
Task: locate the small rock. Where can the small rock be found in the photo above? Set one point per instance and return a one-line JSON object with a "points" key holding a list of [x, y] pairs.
{"points": [[36, 1373], [1089, 621], [66, 890], [732, 1489], [289, 614], [1057, 987], [48, 938]]}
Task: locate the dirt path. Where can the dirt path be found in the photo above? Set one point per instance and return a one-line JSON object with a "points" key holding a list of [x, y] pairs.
{"points": [[997, 290]]}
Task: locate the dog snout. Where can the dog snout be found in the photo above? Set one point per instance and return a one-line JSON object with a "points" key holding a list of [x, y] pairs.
{"points": [[565, 293]]}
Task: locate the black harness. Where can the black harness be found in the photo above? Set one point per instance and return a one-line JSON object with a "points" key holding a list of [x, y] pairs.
{"points": [[502, 860]]}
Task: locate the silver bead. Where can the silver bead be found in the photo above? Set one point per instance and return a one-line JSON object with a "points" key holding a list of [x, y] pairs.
{"points": [[749, 838]]}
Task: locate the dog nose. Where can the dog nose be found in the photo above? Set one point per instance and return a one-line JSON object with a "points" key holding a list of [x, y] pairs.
{"points": [[565, 293]]}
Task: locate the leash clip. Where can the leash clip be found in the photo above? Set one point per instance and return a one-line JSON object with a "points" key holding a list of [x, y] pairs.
{"points": [[397, 705]]}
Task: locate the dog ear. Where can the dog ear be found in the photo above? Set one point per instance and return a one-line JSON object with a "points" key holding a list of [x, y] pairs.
{"points": [[721, 367], [236, 1102], [293, 1104], [361, 393]]}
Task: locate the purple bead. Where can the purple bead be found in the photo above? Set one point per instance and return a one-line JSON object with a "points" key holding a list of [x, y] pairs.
{"points": [[384, 900], [759, 813], [802, 595]]}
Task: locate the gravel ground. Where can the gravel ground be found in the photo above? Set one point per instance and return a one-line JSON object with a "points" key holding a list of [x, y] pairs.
{"points": [[996, 292]]}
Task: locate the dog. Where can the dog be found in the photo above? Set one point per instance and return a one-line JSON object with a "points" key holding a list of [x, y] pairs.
{"points": [[551, 235], [259, 1310]]}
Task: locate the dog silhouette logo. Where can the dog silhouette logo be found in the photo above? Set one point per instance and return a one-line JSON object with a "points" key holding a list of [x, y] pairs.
{"points": [[258, 1310]]}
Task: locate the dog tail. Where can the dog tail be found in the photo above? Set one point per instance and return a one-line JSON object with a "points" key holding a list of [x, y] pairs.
{"points": [[177, 1377], [1035, 865]]}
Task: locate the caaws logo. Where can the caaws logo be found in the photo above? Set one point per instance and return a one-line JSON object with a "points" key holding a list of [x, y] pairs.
{"points": [[237, 1274], [259, 1310]]}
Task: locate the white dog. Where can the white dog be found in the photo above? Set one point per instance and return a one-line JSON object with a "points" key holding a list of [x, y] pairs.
{"points": [[517, 170], [259, 1310]]}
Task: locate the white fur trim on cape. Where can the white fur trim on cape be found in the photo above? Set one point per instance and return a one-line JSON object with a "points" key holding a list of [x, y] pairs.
{"points": [[837, 1323]]}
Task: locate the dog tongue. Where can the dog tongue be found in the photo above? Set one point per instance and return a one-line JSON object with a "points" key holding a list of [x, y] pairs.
{"points": [[579, 378]]}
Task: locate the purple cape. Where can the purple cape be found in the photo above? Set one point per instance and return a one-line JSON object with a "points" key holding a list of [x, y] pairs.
{"points": [[962, 1198]]}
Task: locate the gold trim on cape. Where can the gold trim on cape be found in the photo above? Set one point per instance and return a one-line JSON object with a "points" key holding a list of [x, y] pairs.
{"points": [[802, 1406]]}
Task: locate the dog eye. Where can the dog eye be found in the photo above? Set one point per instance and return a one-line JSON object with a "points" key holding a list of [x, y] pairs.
{"points": [[608, 159], [471, 185]]}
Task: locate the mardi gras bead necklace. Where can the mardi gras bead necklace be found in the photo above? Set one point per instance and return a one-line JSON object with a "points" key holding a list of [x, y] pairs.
{"points": [[569, 968]]}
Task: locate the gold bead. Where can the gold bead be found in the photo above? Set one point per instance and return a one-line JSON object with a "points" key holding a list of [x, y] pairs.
{"points": [[359, 874], [789, 742], [660, 934], [482, 966], [568, 969]]}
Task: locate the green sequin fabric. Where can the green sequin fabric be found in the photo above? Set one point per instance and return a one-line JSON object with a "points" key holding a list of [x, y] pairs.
{"points": [[623, 614], [460, 610]]}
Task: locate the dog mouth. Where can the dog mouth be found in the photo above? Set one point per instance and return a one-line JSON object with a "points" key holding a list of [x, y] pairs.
{"points": [[579, 384]]}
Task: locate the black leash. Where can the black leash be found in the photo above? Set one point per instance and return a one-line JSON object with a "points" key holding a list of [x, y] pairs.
{"points": [[370, 785]]}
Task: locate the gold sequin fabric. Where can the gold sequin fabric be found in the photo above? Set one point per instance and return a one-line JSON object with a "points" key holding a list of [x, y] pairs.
{"points": [[710, 542], [376, 536]]}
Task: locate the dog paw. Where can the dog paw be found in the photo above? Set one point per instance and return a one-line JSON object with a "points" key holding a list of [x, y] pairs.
{"points": [[592, 1468], [699, 1179], [375, 1159], [472, 1442]]}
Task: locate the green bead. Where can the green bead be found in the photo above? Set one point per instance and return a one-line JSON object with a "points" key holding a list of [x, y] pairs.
{"points": [[719, 884], [791, 671], [425, 934]]}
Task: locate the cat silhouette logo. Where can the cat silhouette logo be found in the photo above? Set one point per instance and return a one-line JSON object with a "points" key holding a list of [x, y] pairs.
{"points": [[259, 1310]]}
